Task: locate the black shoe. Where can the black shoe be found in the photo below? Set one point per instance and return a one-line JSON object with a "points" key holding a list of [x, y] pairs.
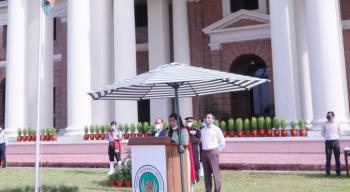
{"points": [[327, 175]]}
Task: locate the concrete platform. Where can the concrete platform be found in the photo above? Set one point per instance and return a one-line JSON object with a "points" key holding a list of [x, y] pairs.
{"points": [[290, 153]]}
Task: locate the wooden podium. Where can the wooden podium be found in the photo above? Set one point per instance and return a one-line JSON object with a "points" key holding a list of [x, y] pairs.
{"points": [[155, 165]]}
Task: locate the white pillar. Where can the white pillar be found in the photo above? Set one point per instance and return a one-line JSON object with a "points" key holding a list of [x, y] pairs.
{"points": [[182, 47], [158, 49], [303, 61], [79, 63], [125, 56], [102, 57], [32, 68], [15, 111], [284, 57], [327, 65]]}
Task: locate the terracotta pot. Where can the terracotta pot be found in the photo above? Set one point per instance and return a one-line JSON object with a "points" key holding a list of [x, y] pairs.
{"points": [[225, 133], [119, 183], [269, 132], [239, 133], [261, 132], [126, 136], [284, 133], [34, 138], [253, 132], [148, 134], [293, 132], [92, 136], [86, 137], [128, 183], [103, 136], [247, 133], [19, 138], [97, 136], [111, 182], [276, 132], [231, 133], [302, 132], [54, 138]]}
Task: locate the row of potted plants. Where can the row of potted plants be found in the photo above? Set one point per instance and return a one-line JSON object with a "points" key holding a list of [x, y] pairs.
{"points": [[121, 177], [29, 134], [262, 126]]}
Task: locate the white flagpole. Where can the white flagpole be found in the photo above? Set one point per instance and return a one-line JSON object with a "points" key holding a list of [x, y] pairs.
{"points": [[42, 24]]}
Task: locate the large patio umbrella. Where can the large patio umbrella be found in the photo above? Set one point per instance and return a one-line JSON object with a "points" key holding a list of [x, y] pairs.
{"points": [[175, 80]]}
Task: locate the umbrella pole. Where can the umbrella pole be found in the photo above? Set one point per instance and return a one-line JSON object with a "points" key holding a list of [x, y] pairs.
{"points": [[180, 146]]}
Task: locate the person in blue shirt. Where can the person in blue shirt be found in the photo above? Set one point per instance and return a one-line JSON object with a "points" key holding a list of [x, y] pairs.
{"points": [[159, 130]]}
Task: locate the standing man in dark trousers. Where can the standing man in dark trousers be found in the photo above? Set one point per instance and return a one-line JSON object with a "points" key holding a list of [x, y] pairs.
{"points": [[213, 141], [195, 136], [331, 131], [3, 144]]}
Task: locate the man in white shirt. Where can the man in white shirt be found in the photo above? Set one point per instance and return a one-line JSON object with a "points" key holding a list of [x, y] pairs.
{"points": [[213, 141], [331, 131]]}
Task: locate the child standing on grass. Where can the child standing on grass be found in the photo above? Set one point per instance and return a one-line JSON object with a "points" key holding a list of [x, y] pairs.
{"points": [[3, 144]]}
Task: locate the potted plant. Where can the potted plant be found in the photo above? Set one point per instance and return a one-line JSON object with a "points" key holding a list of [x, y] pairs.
{"points": [[97, 132], [284, 126], [25, 134], [246, 127], [42, 134], [49, 133], [239, 127], [231, 127], [30, 134], [112, 180], [152, 128], [132, 130], [268, 126], [53, 133], [217, 122], [165, 124], [276, 126], [103, 132], [86, 131], [139, 128], [302, 128], [119, 178], [146, 129], [223, 128], [261, 125], [293, 131], [253, 127], [34, 135], [126, 131], [92, 131], [19, 133]]}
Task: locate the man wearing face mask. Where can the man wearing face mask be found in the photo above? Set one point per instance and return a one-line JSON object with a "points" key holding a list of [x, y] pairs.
{"points": [[331, 131], [195, 136], [114, 137], [213, 141], [3, 144], [159, 131]]}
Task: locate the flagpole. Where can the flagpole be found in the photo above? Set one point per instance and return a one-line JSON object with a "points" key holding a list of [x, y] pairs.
{"points": [[40, 77]]}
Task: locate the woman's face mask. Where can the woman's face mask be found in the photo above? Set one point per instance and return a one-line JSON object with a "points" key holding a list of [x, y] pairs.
{"points": [[158, 126], [174, 128], [189, 124]]}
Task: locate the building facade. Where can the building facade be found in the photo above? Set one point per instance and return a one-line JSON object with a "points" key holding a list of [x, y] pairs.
{"points": [[302, 46]]}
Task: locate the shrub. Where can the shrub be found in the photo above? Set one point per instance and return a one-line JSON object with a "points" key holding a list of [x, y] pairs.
{"points": [[268, 123], [126, 128], [239, 124], [132, 127], [19, 132], [217, 122], [293, 124], [302, 124], [223, 126], [139, 127], [246, 124], [92, 129], [254, 123], [231, 124], [102, 129], [97, 129], [276, 123], [261, 122], [283, 124], [145, 127], [25, 132], [86, 130], [165, 124], [120, 127]]}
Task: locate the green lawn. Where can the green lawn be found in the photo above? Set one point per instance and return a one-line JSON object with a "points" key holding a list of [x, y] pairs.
{"points": [[90, 179]]}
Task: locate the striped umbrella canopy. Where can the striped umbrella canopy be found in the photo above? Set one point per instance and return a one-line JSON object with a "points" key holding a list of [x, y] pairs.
{"points": [[190, 81], [176, 80]]}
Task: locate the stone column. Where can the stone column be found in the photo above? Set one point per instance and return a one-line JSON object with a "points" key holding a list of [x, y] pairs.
{"points": [[303, 61], [79, 66], [158, 49], [15, 111], [32, 67], [182, 47], [284, 57], [124, 56], [327, 65], [102, 57]]}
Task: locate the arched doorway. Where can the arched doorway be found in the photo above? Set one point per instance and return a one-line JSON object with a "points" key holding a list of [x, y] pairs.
{"points": [[255, 102]]}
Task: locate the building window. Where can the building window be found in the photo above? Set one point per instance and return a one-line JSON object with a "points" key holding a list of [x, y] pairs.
{"points": [[244, 4], [141, 15]]}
